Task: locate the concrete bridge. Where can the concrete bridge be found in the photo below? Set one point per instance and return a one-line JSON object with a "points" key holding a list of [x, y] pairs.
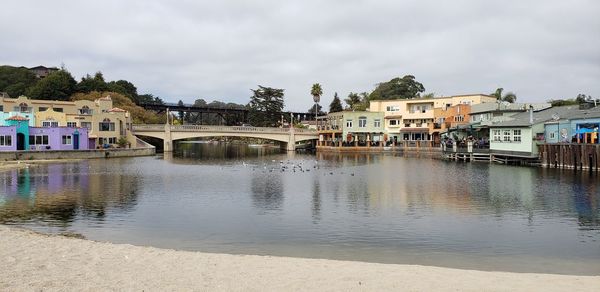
{"points": [[169, 133]]}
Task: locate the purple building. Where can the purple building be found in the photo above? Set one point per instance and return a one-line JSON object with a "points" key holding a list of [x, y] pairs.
{"points": [[8, 138], [19, 136], [58, 138]]}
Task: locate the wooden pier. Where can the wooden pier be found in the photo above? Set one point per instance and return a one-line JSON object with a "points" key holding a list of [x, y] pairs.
{"points": [[570, 156]]}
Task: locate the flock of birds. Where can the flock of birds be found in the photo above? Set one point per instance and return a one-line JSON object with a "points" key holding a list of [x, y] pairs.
{"points": [[287, 166]]}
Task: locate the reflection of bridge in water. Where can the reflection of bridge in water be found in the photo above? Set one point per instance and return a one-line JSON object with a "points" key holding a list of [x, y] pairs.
{"points": [[169, 133]]}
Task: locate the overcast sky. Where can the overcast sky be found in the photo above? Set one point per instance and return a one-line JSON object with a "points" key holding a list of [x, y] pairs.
{"points": [[221, 49]]}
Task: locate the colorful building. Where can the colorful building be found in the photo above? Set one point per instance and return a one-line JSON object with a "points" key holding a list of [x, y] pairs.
{"points": [[16, 134], [351, 128], [104, 123], [415, 119]]}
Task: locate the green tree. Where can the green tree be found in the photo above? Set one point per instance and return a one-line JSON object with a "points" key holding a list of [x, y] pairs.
{"points": [[398, 88], [316, 108], [429, 95], [357, 102], [336, 104], [59, 85], [508, 97], [16, 80], [265, 106], [181, 113], [124, 87], [89, 83], [149, 99]]}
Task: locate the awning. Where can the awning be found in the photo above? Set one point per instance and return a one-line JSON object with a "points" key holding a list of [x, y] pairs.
{"points": [[393, 117], [413, 130]]}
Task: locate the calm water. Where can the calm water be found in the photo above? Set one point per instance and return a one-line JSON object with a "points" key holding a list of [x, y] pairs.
{"points": [[377, 208]]}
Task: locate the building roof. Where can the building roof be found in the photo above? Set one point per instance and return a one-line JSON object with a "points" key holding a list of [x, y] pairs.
{"points": [[550, 114], [506, 107], [591, 113], [17, 118]]}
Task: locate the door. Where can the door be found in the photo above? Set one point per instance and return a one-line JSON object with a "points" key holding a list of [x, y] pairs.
{"points": [[75, 141], [20, 141]]}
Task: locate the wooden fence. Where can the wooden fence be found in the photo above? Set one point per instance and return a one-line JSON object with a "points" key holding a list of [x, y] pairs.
{"points": [[570, 155]]}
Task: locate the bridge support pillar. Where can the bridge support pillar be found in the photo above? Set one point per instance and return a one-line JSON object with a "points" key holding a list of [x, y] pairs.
{"points": [[168, 141], [291, 145]]}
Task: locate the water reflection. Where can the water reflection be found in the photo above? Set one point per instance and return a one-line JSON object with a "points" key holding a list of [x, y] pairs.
{"points": [[267, 190], [56, 194], [390, 208]]}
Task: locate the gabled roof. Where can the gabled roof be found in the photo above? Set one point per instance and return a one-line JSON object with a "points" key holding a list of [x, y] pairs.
{"points": [[506, 107], [17, 118], [591, 113], [522, 119]]}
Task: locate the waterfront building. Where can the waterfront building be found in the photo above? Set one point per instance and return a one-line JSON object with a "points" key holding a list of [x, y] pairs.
{"points": [[104, 123], [579, 126], [415, 120], [521, 135], [482, 115], [351, 128], [16, 134]]}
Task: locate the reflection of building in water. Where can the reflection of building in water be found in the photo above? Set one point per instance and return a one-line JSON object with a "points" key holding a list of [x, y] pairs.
{"points": [[510, 187], [267, 190], [58, 192]]}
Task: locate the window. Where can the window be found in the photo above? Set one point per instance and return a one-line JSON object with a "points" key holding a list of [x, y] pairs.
{"points": [[362, 122], [496, 135], [23, 108], [42, 108], [348, 123], [58, 109], [111, 140], [1, 108], [506, 136], [552, 135], [460, 118], [66, 139], [38, 140], [392, 108], [377, 123], [393, 122], [87, 125], [5, 140], [106, 125], [517, 135], [49, 124], [85, 110], [72, 124]]}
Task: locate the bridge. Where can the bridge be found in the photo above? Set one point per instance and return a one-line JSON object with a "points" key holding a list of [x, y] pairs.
{"points": [[169, 133], [223, 112]]}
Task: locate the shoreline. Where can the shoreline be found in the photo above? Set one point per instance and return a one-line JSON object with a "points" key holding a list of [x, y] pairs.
{"points": [[53, 262]]}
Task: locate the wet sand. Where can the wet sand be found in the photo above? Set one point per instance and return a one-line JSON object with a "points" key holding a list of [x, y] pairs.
{"points": [[31, 261]]}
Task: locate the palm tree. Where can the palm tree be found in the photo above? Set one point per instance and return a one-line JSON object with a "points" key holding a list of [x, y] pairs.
{"points": [[509, 96], [316, 92]]}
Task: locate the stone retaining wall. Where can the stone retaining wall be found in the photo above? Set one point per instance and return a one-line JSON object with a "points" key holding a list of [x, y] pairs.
{"points": [[75, 154]]}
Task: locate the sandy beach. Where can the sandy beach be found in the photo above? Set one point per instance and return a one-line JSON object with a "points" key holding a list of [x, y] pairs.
{"points": [[32, 262]]}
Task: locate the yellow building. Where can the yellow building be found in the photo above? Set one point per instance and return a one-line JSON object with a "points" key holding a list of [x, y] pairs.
{"points": [[414, 119], [105, 123]]}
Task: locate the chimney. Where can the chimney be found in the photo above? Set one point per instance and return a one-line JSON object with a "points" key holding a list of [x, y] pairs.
{"points": [[531, 114]]}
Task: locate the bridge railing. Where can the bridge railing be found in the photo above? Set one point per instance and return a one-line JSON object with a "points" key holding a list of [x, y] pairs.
{"points": [[204, 128]]}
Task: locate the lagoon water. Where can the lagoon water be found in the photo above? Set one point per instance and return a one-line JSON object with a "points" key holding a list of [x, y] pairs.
{"points": [[378, 208]]}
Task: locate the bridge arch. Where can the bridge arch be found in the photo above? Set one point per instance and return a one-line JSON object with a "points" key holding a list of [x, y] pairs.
{"points": [[170, 133]]}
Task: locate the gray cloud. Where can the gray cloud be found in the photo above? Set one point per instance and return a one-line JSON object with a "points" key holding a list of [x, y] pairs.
{"points": [[222, 49]]}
